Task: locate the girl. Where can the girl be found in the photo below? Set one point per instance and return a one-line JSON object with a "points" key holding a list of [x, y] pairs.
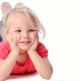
{"points": [[21, 51]]}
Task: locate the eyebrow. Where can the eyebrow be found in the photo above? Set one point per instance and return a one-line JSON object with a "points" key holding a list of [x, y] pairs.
{"points": [[18, 27], [21, 27]]}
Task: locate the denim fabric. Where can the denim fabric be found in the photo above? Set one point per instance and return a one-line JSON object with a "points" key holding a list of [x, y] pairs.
{"points": [[1, 25]]}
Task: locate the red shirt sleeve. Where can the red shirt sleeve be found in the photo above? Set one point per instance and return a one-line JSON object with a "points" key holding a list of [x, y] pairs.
{"points": [[42, 50], [4, 50]]}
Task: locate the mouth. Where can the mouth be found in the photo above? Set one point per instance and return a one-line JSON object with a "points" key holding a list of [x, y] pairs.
{"points": [[25, 42]]}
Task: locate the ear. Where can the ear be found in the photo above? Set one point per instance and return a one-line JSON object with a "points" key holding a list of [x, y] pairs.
{"points": [[5, 7]]}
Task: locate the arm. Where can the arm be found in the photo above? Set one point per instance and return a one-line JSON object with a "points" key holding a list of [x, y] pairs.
{"points": [[42, 65], [6, 66]]}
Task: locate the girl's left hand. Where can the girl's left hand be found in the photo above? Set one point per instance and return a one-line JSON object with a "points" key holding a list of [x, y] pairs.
{"points": [[34, 46]]}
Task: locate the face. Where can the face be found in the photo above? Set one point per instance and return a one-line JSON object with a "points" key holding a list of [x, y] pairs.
{"points": [[23, 30]]}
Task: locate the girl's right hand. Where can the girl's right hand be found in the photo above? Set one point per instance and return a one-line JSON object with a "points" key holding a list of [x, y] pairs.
{"points": [[12, 40]]}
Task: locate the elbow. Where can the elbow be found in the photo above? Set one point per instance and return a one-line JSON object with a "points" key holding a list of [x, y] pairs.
{"points": [[3, 77], [48, 75]]}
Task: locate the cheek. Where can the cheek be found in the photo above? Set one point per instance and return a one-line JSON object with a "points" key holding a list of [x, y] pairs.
{"points": [[34, 35], [18, 37]]}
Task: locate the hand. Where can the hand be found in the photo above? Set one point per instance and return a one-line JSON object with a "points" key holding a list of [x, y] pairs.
{"points": [[12, 40], [34, 46]]}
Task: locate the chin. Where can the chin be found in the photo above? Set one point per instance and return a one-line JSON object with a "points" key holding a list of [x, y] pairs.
{"points": [[24, 48]]}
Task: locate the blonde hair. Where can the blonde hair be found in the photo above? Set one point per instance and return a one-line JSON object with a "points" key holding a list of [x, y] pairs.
{"points": [[26, 11]]}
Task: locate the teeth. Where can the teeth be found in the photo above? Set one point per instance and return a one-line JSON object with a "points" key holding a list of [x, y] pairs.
{"points": [[26, 42]]}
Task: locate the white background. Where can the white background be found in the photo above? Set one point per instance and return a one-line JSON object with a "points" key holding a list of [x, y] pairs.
{"points": [[62, 21]]}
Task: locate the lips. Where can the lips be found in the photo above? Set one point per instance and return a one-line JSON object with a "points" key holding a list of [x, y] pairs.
{"points": [[24, 45], [25, 42]]}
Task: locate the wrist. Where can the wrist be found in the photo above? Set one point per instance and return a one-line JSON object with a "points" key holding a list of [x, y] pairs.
{"points": [[31, 52], [15, 52]]}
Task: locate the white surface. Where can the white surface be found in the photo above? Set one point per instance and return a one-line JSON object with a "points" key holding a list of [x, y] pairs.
{"points": [[62, 20], [30, 77]]}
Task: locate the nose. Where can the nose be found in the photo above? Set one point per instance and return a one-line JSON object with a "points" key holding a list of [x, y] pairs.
{"points": [[25, 35]]}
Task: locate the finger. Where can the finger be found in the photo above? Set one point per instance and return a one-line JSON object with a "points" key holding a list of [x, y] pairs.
{"points": [[36, 40], [14, 39], [9, 37]]}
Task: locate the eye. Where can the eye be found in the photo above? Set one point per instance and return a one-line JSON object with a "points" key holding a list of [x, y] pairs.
{"points": [[31, 30], [18, 31]]}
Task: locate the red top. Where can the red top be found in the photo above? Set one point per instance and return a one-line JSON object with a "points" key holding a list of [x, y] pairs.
{"points": [[28, 66]]}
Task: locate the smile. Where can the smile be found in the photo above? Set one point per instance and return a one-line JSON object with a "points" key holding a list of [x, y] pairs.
{"points": [[25, 42]]}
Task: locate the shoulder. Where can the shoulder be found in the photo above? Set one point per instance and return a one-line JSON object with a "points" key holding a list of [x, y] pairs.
{"points": [[40, 45], [4, 49], [4, 44], [42, 50]]}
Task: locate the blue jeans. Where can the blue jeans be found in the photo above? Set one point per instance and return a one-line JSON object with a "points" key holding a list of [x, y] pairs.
{"points": [[1, 25], [0, 38]]}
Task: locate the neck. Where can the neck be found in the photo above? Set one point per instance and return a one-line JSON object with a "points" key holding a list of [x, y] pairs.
{"points": [[22, 52]]}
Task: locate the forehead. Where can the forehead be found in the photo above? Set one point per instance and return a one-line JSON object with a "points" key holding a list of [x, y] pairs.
{"points": [[21, 19]]}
